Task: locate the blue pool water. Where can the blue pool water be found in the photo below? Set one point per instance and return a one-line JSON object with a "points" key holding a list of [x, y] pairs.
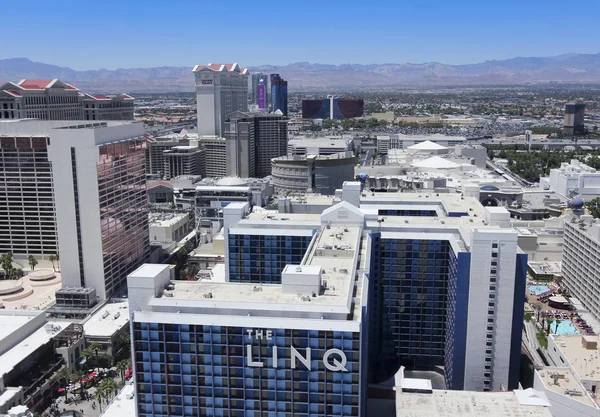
{"points": [[538, 289], [564, 327]]}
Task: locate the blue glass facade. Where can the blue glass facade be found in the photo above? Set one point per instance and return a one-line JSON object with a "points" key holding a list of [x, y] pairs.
{"points": [[417, 304], [194, 370], [279, 94], [456, 319], [261, 258]]}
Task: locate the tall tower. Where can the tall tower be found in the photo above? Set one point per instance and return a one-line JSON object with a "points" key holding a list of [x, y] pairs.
{"points": [[256, 78], [101, 203], [574, 115], [279, 94], [221, 89], [262, 95]]}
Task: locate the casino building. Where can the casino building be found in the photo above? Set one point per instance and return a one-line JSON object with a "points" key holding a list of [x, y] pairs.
{"points": [[315, 306]]}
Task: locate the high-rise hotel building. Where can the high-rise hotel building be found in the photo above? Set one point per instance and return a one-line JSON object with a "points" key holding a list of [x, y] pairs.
{"points": [[221, 89], [101, 203], [314, 306]]}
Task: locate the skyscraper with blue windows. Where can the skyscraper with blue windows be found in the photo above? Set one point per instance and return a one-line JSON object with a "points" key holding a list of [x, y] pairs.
{"points": [[279, 94], [358, 294]]}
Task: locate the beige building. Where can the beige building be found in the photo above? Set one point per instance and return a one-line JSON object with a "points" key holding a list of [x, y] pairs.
{"points": [[57, 100]]}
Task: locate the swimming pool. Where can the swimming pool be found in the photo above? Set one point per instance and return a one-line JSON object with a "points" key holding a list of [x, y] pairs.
{"points": [[538, 289], [564, 327]]}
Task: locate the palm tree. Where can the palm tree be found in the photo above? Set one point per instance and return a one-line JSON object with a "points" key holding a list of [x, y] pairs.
{"points": [[99, 395], [548, 323], [543, 316], [538, 308], [53, 258], [557, 322], [122, 367], [16, 273], [64, 373], [95, 347], [108, 387], [32, 262], [6, 261]]}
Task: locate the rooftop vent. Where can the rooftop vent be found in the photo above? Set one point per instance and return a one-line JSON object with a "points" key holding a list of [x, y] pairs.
{"points": [[298, 269], [208, 295]]}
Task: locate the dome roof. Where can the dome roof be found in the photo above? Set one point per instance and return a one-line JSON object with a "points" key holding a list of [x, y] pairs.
{"points": [[576, 203], [489, 188], [231, 181]]}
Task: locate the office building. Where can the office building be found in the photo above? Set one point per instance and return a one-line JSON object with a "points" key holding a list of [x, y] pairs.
{"points": [[57, 100], [184, 160], [581, 260], [215, 156], [253, 139], [279, 94], [221, 89], [371, 283], [101, 203], [574, 117], [332, 108], [256, 81]]}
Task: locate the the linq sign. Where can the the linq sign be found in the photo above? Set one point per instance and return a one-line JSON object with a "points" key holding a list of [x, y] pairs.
{"points": [[334, 359]]}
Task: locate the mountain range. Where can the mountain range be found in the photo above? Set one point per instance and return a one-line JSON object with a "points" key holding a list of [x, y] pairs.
{"points": [[565, 68]]}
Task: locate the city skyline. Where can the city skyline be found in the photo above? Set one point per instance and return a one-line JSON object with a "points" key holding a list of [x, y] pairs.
{"points": [[323, 33]]}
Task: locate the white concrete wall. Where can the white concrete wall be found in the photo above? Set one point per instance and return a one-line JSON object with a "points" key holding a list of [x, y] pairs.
{"points": [[479, 299], [206, 104], [146, 282]]}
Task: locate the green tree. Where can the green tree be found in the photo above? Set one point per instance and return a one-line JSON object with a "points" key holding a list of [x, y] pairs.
{"points": [[548, 324], [556, 323], [32, 262], [16, 273], [99, 396], [122, 367], [542, 338], [538, 309], [108, 386], [62, 376], [53, 258], [7, 260], [527, 316], [593, 208]]}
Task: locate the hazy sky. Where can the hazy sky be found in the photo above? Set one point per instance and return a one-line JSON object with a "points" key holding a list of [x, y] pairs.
{"points": [[143, 33]]}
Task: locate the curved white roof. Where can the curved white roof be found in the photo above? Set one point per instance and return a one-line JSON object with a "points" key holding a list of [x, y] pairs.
{"points": [[436, 162], [231, 181], [427, 146]]}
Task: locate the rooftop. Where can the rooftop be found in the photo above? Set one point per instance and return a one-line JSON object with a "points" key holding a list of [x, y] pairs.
{"points": [[124, 404], [566, 384], [11, 321], [586, 362], [442, 403], [108, 320], [30, 344], [165, 219], [333, 251]]}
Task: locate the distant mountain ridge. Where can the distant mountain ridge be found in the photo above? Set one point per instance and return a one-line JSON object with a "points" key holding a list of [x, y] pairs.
{"points": [[562, 68]]}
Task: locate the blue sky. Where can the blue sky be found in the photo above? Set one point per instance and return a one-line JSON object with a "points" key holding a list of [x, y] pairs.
{"points": [[142, 33]]}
